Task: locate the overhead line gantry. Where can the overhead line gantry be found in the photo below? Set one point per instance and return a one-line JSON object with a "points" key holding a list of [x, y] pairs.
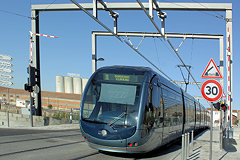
{"points": [[152, 5]]}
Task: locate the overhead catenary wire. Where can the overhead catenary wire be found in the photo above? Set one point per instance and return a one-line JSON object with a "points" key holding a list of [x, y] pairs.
{"points": [[148, 61], [99, 22], [143, 8], [155, 25], [21, 15], [221, 17], [14, 13], [156, 50], [122, 40], [46, 8]]}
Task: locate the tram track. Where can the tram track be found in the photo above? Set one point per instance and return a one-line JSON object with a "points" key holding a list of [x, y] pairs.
{"points": [[39, 148], [86, 156], [42, 138]]}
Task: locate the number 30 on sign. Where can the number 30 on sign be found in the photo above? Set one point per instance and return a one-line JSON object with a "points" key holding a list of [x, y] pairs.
{"points": [[211, 90]]}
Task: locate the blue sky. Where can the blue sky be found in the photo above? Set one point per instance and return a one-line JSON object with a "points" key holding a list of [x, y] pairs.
{"points": [[71, 53]]}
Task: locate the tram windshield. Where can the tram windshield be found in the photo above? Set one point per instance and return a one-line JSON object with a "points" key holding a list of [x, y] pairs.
{"points": [[112, 98]]}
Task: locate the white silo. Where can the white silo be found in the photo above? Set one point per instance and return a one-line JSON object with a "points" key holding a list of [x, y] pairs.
{"points": [[60, 84], [84, 82], [77, 85], [68, 84]]}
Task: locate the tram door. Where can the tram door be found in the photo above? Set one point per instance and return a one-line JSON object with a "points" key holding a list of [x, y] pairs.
{"points": [[158, 112]]}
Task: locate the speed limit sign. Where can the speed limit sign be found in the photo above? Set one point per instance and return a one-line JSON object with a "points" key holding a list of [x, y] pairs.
{"points": [[211, 90]]}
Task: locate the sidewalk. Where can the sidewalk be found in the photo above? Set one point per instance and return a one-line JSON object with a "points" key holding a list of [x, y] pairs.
{"points": [[231, 150]]}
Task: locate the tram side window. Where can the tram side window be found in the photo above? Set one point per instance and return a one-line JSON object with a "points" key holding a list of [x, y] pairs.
{"points": [[172, 108], [167, 120], [188, 111]]}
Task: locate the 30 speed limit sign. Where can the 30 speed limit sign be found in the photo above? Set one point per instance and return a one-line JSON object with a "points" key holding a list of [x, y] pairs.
{"points": [[211, 90]]}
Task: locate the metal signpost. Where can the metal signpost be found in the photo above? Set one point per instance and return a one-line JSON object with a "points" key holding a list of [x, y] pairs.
{"points": [[212, 91]]}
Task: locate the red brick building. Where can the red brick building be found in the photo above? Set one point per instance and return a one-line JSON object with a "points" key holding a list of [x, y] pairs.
{"points": [[59, 101]]}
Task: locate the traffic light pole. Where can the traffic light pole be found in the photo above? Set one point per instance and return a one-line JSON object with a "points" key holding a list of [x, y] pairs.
{"points": [[31, 116], [36, 61], [221, 130], [211, 131]]}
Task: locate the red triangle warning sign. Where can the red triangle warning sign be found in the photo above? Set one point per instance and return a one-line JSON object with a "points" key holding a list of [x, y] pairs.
{"points": [[211, 71]]}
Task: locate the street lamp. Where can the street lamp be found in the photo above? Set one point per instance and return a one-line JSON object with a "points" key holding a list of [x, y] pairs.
{"points": [[100, 59], [96, 60]]}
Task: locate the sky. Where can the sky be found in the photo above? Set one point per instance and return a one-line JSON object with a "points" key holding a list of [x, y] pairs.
{"points": [[71, 52]]}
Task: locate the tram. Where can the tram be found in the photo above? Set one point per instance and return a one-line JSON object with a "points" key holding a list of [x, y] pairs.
{"points": [[134, 110]]}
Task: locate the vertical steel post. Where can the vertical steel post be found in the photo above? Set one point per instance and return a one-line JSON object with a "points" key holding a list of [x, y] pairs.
{"points": [[221, 48], [163, 26], [221, 65], [31, 116], [151, 8], [8, 97], [192, 143], [115, 29], [36, 60], [211, 132], [95, 8], [183, 146], [221, 129], [8, 119], [229, 56], [186, 145], [71, 113], [94, 52]]}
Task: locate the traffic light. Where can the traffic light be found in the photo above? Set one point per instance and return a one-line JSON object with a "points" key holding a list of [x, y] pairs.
{"points": [[224, 106], [31, 80], [216, 105], [28, 88], [32, 75]]}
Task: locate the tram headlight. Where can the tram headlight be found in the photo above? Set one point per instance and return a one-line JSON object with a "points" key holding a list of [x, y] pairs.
{"points": [[104, 132]]}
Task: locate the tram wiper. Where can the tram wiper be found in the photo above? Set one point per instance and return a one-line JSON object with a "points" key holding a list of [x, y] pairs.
{"points": [[117, 118], [94, 121]]}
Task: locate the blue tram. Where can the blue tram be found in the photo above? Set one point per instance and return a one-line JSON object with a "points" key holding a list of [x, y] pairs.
{"points": [[134, 110]]}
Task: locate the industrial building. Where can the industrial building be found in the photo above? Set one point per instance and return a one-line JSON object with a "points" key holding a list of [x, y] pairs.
{"points": [[67, 84], [68, 94], [58, 101]]}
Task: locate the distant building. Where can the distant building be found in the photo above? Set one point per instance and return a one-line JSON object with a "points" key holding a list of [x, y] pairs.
{"points": [[59, 101], [216, 116]]}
